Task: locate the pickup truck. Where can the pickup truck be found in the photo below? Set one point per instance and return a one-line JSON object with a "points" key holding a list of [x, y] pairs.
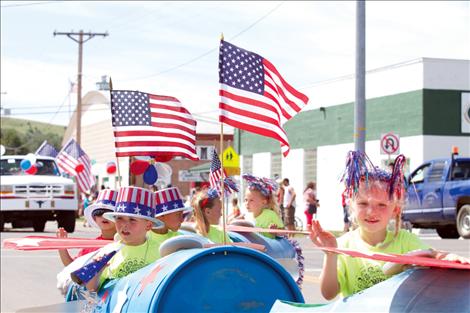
{"points": [[438, 197], [31, 200]]}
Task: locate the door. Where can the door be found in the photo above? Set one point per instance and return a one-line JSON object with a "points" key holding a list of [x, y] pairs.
{"points": [[413, 208]]}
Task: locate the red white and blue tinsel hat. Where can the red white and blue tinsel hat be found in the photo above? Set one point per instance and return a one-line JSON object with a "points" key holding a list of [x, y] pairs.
{"points": [[106, 200], [265, 185], [359, 168], [168, 201], [135, 202]]}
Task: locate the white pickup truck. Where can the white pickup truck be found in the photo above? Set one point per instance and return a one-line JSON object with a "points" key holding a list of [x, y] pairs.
{"points": [[31, 200]]}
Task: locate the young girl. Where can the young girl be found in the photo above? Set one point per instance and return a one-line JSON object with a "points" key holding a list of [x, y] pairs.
{"points": [[208, 210], [94, 216], [260, 201], [170, 209], [375, 197]]}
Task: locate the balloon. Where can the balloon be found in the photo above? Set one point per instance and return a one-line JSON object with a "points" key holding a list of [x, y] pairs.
{"points": [[111, 168], [138, 167], [31, 157], [163, 158], [2, 149], [164, 171], [32, 170], [150, 175], [79, 168], [25, 164]]}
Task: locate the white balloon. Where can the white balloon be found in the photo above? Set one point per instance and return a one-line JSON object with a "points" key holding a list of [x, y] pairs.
{"points": [[164, 170], [31, 157], [2, 150]]}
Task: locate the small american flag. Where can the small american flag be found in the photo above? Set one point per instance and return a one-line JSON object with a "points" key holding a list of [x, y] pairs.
{"points": [[46, 149], [69, 158], [217, 173], [151, 125], [254, 96]]}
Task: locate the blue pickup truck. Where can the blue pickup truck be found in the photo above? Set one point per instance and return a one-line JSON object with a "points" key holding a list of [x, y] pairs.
{"points": [[438, 197]]}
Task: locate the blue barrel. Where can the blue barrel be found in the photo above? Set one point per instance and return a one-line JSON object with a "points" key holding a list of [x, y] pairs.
{"points": [[219, 279]]}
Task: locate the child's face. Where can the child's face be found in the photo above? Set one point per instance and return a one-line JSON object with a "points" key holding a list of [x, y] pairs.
{"points": [[213, 214], [103, 223], [132, 230], [255, 201], [373, 209], [173, 220]]}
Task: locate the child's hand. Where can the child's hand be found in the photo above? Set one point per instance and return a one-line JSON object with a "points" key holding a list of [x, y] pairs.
{"points": [[455, 258], [274, 226], [61, 233], [320, 237]]}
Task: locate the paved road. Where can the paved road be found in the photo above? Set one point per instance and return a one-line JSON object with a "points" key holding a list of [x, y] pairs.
{"points": [[28, 279]]}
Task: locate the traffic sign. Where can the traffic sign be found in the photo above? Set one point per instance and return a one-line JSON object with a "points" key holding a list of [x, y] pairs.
{"points": [[389, 144], [230, 158]]}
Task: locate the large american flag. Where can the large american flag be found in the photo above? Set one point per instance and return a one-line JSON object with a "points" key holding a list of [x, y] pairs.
{"points": [[45, 149], [254, 96], [217, 173], [69, 158], [151, 125]]}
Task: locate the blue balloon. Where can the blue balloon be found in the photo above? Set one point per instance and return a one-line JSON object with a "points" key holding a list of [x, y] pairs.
{"points": [[25, 164], [150, 175]]}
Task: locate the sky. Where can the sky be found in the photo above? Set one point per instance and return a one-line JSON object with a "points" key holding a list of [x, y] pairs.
{"points": [[171, 48]]}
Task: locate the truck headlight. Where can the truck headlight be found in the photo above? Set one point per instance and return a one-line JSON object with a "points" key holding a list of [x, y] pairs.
{"points": [[6, 189]]}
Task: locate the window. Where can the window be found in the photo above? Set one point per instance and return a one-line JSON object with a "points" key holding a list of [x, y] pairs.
{"points": [[418, 175], [204, 152], [435, 174], [461, 171]]}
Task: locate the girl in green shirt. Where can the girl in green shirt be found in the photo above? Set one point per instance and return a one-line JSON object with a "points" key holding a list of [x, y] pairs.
{"points": [[208, 210]]}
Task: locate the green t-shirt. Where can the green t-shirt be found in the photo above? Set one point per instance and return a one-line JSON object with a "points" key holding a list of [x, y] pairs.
{"points": [[266, 218], [130, 259], [356, 274], [216, 235], [160, 238]]}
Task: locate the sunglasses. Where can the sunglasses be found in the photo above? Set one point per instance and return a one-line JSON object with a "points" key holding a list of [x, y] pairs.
{"points": [[100, 212]]}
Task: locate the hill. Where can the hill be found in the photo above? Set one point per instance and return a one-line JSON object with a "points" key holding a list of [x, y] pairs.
{"points": [[21, 136]]}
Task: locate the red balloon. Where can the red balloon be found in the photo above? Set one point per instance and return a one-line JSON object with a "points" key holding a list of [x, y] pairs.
{"points": [[79, 168], [163, 158], [111, 168], [138, 167], [32, 170]]}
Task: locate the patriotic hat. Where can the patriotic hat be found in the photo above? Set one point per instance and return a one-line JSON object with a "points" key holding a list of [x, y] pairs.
{"points": [[135, 202], [168, 201], [106, 200], [265, 185]]}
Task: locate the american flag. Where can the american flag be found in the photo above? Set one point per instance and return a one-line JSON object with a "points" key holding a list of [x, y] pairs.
{"points": [[46, 149], [151, 125], [254, 96], [69, 158], [217, 172]]}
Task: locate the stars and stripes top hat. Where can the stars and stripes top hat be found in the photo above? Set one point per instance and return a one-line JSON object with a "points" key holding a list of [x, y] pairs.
{"points": [[135, 202], [106, 200], [168, 201]]}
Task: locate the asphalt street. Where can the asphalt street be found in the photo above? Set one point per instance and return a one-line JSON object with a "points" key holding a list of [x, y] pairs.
{"points": [[28, 279]]}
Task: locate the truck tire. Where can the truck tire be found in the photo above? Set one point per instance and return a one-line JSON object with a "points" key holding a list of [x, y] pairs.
{"points": [[39, 224], [463, 221], [448, 232], [66, 219]]}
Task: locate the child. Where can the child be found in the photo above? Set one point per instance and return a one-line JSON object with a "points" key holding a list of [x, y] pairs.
{"points": [[134, 217], [236, 213], [170, 210], [260, 201], [208, 210], [375, 197], [94, 215]]}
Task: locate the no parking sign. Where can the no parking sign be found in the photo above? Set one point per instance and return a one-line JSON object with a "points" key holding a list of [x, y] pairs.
{"points": [[390, 144]]}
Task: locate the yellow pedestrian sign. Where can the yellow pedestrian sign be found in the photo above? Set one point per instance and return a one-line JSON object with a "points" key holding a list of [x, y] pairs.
{"points": [[231, 161]]}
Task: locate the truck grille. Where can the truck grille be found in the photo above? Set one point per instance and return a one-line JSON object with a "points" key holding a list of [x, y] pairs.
{"points": [[38, 190]]}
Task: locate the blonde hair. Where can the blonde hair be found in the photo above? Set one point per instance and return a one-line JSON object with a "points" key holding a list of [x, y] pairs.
{"points": [[200, 202], [271, 200]]}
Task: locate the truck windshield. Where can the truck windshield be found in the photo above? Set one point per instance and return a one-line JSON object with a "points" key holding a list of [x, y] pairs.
{"points": [[12, 167]]}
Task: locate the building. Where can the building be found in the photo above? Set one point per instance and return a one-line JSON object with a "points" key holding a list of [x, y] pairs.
{"points": [[97, 140], [425, 102]]}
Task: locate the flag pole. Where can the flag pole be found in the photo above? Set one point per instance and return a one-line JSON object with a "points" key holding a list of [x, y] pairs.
{"points": [[117, 159], [222, 189]]}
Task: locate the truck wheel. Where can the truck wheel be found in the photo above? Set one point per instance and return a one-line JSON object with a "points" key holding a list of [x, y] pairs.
{"points": [[463, 221], [39, 224], [66, 219], [448, 232]]}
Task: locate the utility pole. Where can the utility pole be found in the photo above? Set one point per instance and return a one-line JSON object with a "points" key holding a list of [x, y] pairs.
{"points": [[80, 40], [360, 101]]}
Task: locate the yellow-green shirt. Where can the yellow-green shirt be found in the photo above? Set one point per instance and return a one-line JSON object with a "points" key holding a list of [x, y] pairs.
{"points": [[160, 238], [266, 218], [356, 274], [216, 235]]}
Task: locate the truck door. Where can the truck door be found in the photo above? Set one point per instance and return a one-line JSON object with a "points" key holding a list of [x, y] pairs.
{"points": [[413, 208], [433, 189]]}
